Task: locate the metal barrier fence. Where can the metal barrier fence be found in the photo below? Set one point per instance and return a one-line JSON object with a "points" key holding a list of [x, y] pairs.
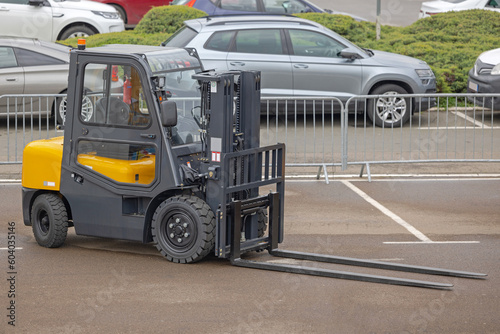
{"points": [[457, 129], [321, 132], [24, 118], [441, 128]]}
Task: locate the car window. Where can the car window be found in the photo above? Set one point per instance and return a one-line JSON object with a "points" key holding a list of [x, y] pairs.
{"points": [[220, 41], [181, 38], [29, 58], [313, 44], [267, 41], [243, 5], [7, 57], [493, 3], [285, 7]]}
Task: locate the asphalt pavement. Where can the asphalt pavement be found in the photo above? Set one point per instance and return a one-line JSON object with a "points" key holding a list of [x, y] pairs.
{"points": [[94, 285]]}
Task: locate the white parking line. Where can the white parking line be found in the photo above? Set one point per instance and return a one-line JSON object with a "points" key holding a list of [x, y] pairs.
{"points": [[470, 119], [10, 181], [387, 212], [423, 239], [428, 242]]}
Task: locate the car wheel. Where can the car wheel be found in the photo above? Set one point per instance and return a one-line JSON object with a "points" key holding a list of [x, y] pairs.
{"points": [[77, 31], [49, 220], [389, 110], [121, 13], [183, 228], [87, 110]]}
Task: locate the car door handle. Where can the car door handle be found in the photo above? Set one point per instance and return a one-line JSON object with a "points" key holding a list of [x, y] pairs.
{"points": [[301, 66], [237, 63], [148, 135], [11, 79]]}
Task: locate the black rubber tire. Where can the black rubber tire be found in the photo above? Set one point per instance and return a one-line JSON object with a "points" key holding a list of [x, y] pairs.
{"points": [[49, 220], [61, 102], [77, 31], [397, 110], [183, 229]]}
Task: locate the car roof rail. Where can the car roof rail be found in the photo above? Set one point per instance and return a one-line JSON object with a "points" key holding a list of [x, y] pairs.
{"points": [[210, 17]]}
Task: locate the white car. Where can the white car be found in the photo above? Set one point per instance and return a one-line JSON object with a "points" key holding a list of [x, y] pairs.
{"points": [[52, 20], [435, 7], [484, 78]]}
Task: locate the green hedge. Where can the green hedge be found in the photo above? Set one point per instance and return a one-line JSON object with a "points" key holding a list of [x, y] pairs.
{"points": [[449, 42], [167, 19]]}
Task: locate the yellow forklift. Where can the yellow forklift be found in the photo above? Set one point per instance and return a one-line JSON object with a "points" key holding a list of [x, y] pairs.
{"points": [[170, 154]]}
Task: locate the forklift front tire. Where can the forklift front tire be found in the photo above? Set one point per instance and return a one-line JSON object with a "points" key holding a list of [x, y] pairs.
{"points": [[49, 220], [183, 228]]}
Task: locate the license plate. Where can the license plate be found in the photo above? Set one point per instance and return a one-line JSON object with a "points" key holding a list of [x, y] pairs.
{"points": [[473, 86]]}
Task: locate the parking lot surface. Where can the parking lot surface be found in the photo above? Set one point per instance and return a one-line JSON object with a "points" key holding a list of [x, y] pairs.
{"points": [[93, 285]]}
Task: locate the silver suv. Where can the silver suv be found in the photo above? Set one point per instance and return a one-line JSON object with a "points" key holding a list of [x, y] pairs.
{"points": [[298, 57]]}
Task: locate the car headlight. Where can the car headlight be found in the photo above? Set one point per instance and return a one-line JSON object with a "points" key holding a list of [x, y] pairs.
{"points": [[496, 70], [425, 73], [107, 15]]}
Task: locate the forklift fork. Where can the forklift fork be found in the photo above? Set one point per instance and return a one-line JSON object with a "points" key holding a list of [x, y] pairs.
{"points": [[271, 245]]}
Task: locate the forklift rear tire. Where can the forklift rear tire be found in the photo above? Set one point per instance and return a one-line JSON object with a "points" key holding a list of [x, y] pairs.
{"points": [[183, 228], [49, 220]]}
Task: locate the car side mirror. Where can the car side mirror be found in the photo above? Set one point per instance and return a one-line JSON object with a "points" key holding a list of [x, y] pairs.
{"points": [[36, 2], [350, 53], [168, 113]]}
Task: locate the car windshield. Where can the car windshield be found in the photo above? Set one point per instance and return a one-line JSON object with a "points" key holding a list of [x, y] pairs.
{"points": [[181, 38]]}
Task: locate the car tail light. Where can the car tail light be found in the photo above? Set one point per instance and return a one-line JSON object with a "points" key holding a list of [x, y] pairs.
{"points": [[191, 3]]}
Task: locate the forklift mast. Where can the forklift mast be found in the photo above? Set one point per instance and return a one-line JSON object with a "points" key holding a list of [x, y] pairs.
{"points": [[233, 159]]}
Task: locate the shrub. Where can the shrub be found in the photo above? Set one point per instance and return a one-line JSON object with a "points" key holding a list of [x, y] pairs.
{"points": [[124, 37], [167, 19]]}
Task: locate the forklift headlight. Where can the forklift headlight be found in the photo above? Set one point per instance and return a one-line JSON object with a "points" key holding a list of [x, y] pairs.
{"points": [[107, 15]]}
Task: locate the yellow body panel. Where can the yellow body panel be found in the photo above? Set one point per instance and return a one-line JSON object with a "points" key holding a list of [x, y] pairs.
{"points": [[128, 171], [42, 164]]}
